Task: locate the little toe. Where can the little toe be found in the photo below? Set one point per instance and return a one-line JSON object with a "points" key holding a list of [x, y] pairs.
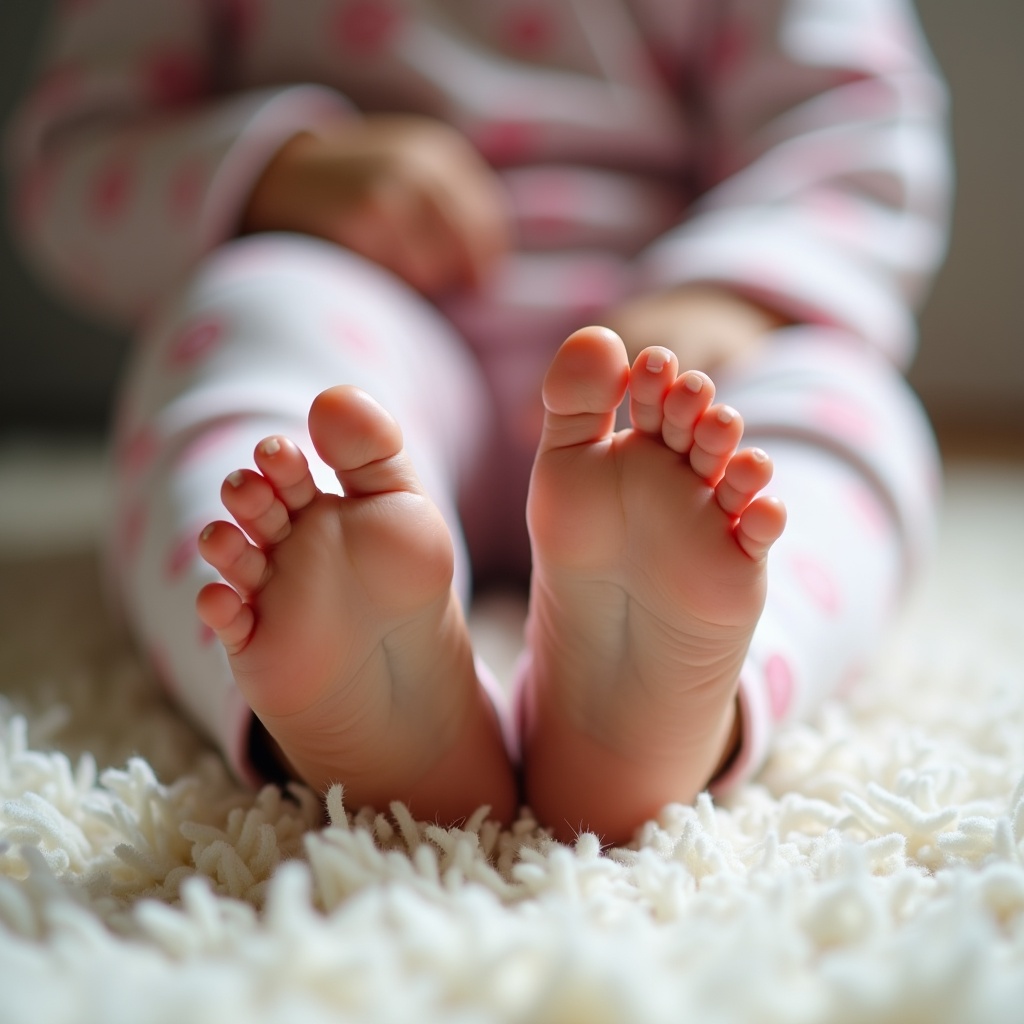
{"points": [[226, 614], [361, 442], [760, 525], [652, 375], [287, 470], [583, 387], [715, 437], [255, 507], [746, 473], [688, 399], [225, 547]]}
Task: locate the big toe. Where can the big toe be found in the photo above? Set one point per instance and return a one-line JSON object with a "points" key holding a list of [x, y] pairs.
{"points": [[583, 387], [360, 441]]}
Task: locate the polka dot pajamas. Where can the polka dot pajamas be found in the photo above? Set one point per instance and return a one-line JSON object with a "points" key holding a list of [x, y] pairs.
{"points": [[792, 150], [267, 323]]}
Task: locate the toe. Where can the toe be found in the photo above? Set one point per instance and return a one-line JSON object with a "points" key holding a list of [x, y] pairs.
{"points": [[286, 469], [226, 614], [688, 399], [746, 473], [760, 525], [715, 437], [255, 507], [583, 387], [361, 442], [243, 565], [649, 381]]}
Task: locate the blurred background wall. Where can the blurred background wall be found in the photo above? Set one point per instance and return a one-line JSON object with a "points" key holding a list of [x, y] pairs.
{"points": [[57, 371]]}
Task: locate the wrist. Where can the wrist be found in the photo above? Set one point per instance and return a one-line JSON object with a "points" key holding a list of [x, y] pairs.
{"points": [[270, 203], [706, 325]]}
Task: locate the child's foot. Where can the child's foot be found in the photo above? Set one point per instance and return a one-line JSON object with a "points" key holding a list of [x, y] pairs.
{"points": [[649, 550], [341, 626]]}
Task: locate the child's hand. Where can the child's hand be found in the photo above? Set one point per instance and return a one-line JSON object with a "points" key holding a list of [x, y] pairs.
{"points": [[409, 193], [704, 325]]}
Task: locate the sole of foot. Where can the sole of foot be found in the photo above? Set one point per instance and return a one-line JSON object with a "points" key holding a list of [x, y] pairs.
{"points": [[649, 570], [341, 626]]}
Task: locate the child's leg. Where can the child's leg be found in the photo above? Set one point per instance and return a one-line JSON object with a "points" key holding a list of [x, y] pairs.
{"points": [[856, 465], [266, 325], [635, 654]]}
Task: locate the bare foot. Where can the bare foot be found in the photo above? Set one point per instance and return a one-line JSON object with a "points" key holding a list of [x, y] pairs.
{"points": [[649, 549], [341, 626]]}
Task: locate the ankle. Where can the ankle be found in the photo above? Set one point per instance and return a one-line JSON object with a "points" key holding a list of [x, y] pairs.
{"points": [[474, 770], [575, 781]]}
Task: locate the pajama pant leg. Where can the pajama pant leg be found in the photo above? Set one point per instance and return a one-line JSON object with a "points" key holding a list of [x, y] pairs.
{"points": [[858, 470], [264, 325]]}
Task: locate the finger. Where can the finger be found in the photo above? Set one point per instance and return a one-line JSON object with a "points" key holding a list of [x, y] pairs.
{"points": [[371, 231], [480, 220], [438, 253], [468, 200], [400, 228]]}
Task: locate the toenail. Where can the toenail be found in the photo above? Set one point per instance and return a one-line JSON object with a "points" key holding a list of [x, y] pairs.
{"points": [[236, 478], [271, 446], [657, 360], [207, 531], [694, 382], [726, 415], [758, 454]]}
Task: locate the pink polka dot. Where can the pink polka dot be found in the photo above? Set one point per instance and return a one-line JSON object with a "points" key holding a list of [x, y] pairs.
{"points": [[185, 190], [207, 442], [353, 338], [183, 552], [778, 678], [506, 142], [131, 530], [835, 208], [111, 188], [728, 50], [138, 451], [528, 29], [172, 77], [844, 418], [873, 97], [891, 39], [817, 582], [669, 64], [554, 191], [366, 27], [196, 342], [592, 287], [764, 278], [260, 254], [546, 202]]}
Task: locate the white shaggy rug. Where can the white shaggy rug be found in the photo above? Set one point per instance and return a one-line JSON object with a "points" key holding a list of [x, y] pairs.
{"points": [[875, 872]]}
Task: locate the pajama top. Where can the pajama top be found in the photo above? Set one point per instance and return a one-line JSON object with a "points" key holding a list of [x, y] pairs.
{"points": [[793, 150]]}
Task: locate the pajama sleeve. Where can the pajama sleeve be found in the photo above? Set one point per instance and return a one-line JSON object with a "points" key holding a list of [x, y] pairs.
{"points": [[827, 166], [127, 161]]}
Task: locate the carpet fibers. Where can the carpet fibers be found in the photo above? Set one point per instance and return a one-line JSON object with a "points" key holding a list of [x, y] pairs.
{"points": [[873, 872]]}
